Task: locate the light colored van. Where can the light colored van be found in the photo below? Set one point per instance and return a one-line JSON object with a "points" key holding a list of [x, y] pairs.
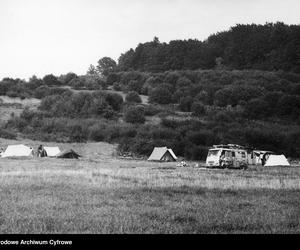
{"points": [[227, 156]]}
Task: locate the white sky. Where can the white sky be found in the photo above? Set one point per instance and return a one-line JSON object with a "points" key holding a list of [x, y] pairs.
{"points": [[58, 36]]}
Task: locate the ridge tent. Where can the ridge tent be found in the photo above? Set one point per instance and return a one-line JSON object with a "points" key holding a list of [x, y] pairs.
{"points": [[52, 151], [70, 154], [162, 154], [17, 151], [277, 160]]}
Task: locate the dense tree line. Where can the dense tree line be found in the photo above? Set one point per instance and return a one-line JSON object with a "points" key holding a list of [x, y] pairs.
{"points": [[49, 85], [272, 46]]}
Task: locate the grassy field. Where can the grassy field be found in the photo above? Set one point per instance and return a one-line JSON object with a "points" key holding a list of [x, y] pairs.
{"points": [[103, 194]]}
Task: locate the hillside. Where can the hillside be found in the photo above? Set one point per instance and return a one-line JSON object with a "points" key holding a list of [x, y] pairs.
{"points": [[239, 86], [186, 110]]}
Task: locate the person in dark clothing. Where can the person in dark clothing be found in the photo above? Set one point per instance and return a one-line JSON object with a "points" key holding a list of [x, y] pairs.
{"points": [[41, 152], [264, 159]]}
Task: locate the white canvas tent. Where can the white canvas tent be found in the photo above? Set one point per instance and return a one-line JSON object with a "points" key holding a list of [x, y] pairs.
{"points": [[52, 151], [162, 154], [17, 151], [277, 160], [257, 156]]}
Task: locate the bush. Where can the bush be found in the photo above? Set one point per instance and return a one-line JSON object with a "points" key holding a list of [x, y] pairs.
{"points": [[202, 97], [151, 110], [6, 134], [194, 152], [42, 92], [161, 95], [135, 114], [135, 85], [198, 109], [112, 78], [114, 100], [117, 86], [185, 104], [289, 105], [133, 97], [77, 133], [258, 108], [201, 137], [51, 80], [96, 133]]}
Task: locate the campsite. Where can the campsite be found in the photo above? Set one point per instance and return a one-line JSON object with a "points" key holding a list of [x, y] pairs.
{"points": [[103, 193], [149, 117]]}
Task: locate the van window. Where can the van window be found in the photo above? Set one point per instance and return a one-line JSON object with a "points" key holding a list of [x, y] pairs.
{"points": [[243, 154], [233, 154], [213, 152]]}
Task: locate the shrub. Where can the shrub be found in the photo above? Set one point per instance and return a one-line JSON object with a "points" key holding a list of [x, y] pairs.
{"points": [[6, 134], [201, 137], [117, 86], [194, 152], [51, 80], [289, 105], [135, 85], [66, 79], [198, 109], [135, 114], [42, 92], [223, 117], [185, 104], [161, 95], [151, 110], [257, 108], [114, 100], [77, 133], [112, 78], [96, 133], [133, 97]]}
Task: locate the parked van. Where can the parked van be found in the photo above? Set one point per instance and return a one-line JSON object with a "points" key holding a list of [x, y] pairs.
{"points": [[227, 156]]}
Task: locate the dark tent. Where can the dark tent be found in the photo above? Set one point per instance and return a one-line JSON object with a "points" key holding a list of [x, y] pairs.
{"points": [[70, 154]]}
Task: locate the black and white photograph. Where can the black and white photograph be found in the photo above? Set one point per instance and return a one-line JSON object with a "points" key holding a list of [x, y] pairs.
{"points": [[148, 117]]}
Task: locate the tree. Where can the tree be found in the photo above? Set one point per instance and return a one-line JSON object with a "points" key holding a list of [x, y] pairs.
{"points": [[198, 109], [92, 70], [69, 77], [106, 65], [114, 100], [51, 80], [185, 104], [133, 97], [135, 114], [161, 95]]}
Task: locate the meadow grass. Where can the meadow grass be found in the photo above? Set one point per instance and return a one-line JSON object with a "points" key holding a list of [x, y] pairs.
{"points": [[103, 194]]}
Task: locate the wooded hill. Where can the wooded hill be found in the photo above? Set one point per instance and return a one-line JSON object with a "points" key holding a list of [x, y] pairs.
{"points": [[272, 46], [240, 86]]}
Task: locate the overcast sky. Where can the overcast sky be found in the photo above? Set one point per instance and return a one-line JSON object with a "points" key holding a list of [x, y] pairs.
{"points": [[58, 36]]}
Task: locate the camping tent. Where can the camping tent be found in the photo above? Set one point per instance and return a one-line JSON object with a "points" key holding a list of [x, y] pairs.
{"points": [[162, 154], [258, 155], [17, 150], [277, 160], [71, 154], [52, 151]]}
